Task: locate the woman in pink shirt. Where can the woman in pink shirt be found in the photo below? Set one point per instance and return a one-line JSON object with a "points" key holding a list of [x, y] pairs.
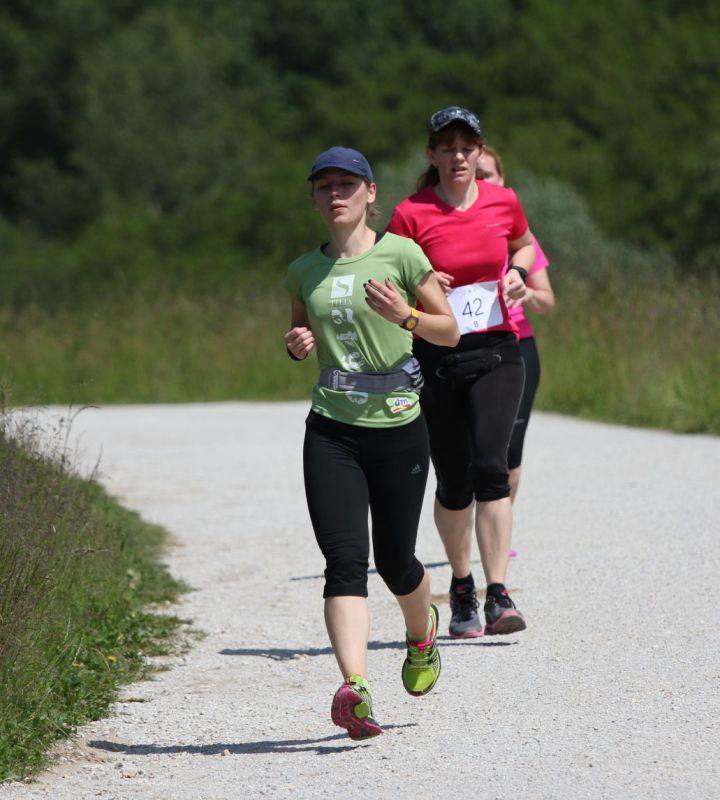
{"points": [[540, 299], [467, 229]]}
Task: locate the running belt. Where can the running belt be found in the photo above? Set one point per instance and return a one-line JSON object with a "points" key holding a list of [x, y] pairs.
{"points": [[406, 376]]}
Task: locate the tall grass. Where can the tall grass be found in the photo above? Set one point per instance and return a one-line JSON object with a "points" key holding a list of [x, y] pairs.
{"points": [[630, 349], [77, 576], [144, 347], [633, 352], [632, 338]]}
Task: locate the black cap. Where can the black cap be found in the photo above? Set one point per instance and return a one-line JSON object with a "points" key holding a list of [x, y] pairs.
{"points": [[440, 119]]}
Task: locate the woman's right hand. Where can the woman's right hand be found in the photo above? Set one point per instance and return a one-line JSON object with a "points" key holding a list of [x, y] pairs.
{"points": [[300, 342]]}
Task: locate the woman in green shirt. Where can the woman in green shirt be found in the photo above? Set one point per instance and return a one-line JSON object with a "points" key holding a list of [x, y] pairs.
{"points": [[353, 302]]}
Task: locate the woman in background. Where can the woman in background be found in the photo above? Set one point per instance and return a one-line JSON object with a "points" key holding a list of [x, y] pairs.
{"points": [[540, 299], [468, 228]]}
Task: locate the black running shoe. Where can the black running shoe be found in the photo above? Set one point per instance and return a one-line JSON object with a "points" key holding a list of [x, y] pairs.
{"points": [[501, 616], [464, 622]]}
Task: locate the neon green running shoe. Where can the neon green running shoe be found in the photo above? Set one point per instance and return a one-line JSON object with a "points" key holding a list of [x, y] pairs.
{"points": [[422, 665], [352, 709]]}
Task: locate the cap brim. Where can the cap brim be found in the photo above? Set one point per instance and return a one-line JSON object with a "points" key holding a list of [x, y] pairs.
{"points": [[341, 167]]}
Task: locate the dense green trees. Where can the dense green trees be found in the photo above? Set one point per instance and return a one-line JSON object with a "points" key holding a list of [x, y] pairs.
{"points": [[185, 128], [623, 102]]}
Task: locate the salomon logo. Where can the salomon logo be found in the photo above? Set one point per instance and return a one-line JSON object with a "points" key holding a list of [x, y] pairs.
{"points": [[342, 287]]}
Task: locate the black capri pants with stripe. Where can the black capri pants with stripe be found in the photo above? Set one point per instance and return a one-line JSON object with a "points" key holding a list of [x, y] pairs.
{"points": [[351, 469], [470, 424], [531, 359]]}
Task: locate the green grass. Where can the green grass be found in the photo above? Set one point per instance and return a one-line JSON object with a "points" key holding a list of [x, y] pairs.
{"points": [[82, 598], [636, 349], [152, 347], [637, 353]]}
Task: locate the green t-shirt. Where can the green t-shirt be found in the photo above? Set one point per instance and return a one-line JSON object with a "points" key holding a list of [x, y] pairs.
{"points": [[352, 337]]}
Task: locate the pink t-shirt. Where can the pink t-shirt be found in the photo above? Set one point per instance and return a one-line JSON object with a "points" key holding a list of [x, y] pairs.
{"points": [[470, 245], [518, 313]]}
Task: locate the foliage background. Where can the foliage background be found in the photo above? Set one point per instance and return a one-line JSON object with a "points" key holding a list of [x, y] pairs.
{"points": [[153, 158]]}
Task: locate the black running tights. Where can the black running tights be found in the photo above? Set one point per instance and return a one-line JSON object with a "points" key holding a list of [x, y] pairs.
{"points": [[351, 469]]}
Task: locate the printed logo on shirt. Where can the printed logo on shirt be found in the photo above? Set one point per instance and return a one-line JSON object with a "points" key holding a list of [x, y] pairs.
{"points": [[353, 362], [399, 404], [348, 336], [342, 287], [359, 398], [341, 315]]}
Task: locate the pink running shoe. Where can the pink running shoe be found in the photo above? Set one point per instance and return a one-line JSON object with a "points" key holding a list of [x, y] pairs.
{"points": [[501, 615], [352, 709]]}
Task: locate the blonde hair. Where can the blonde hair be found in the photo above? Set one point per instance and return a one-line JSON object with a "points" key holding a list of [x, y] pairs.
{"points": [[490, 151]]}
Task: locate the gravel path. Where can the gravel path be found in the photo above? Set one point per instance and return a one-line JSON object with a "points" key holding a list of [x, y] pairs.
{"points": [[612, 692]]}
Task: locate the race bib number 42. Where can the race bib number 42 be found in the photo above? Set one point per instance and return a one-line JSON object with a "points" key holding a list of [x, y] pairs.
{"points": [[476, 306]]}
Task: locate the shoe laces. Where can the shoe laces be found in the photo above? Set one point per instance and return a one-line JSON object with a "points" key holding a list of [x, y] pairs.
{"points": [[464, 604], [363, 691], [420, 654], [503, 600]]}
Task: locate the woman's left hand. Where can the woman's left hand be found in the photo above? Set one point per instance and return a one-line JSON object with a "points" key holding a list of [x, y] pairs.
{"points": [[513, 289], [385, 300]]}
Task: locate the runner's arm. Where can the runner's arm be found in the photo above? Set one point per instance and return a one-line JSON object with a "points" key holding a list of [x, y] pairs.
{"points": [[540, 297], [299, 340], [436, 324], [521, 252]]}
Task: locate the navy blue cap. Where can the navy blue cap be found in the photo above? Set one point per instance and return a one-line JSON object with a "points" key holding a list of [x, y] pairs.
{"points": [[441, 119], [344, 158]]}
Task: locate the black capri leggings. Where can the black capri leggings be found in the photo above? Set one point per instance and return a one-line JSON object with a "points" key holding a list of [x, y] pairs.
{"points": [[470, 424], [349, 469], [531, 359]]}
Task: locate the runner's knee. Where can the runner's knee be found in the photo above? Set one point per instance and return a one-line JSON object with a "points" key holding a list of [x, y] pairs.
{"points": [[453, 497], [515, 450], [401, 579], [346, 574], [490, 485]]}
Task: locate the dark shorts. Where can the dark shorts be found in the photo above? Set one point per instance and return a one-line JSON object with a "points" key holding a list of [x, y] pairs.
{"points": [[470, 424], [351, 469], [531, 359]]}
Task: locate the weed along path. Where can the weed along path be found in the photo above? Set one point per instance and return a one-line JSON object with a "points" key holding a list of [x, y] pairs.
{"points": [[612, 692]]}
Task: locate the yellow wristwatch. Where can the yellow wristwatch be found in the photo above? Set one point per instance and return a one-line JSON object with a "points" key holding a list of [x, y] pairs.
{"points": [[410, 323]]}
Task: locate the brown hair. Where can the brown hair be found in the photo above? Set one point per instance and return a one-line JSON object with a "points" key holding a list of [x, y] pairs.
{"points": [[446, 136], [490, 151]]}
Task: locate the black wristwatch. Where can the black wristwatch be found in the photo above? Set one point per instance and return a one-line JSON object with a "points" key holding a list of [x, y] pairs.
{"points": [[521, 270]]}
